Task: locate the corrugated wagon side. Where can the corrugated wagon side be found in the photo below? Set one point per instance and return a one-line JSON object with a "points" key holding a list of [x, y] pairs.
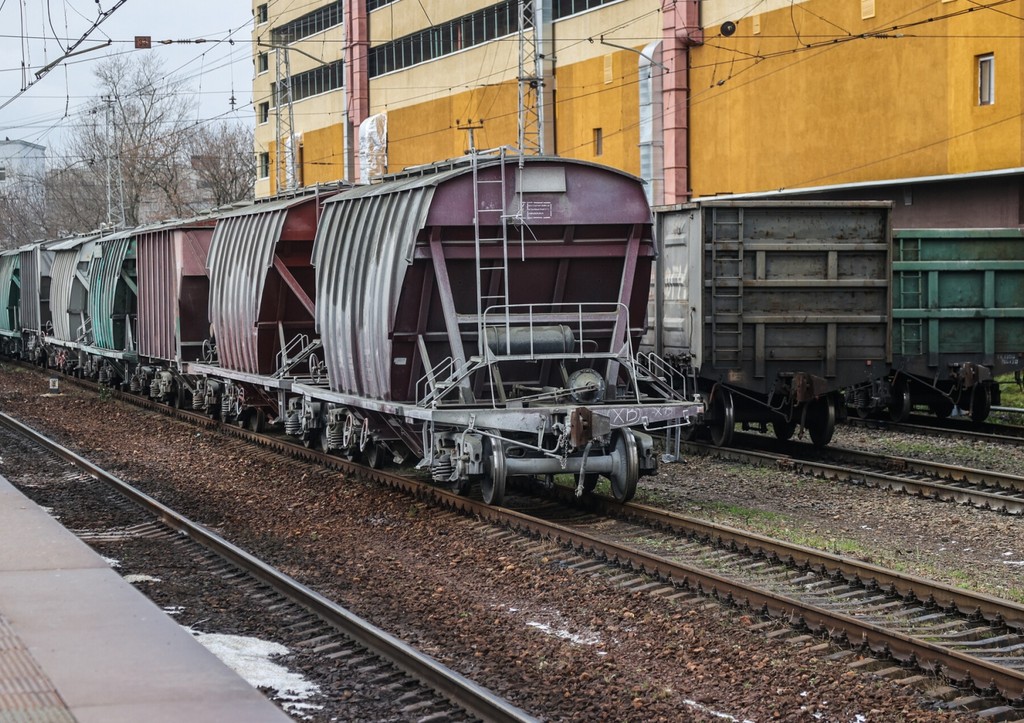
{"points": [[958, 317], [71, 323], [777, 308], [261, 308], [173, 307], [10, 302]]}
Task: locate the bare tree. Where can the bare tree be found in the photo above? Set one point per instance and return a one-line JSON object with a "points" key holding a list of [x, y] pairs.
{"points": [[136, 155], [222, 159], [138, 128]]}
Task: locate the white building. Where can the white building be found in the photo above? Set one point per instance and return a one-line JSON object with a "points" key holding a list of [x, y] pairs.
{"points": [[20, 160]]}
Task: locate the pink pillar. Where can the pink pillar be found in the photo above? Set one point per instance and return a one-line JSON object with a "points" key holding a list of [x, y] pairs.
{"points": [[357, 75], [680, 31]]}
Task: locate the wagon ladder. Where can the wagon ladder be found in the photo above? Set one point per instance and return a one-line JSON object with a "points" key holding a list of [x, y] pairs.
{"points": [[726, 288], [488, 215]]}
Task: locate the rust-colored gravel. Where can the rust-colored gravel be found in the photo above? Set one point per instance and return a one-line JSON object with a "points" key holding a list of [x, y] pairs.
{"points": [[561, 644]]}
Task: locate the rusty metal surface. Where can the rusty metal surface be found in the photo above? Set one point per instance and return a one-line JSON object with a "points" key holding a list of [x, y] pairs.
{"points": [[173, 308]]}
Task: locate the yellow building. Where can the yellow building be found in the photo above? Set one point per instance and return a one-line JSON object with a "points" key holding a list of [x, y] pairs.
{"points": [[847, 98], [425, 78], [855, 96]]}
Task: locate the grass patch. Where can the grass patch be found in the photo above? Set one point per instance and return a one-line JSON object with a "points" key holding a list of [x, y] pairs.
{"points": [[1011, 394]]}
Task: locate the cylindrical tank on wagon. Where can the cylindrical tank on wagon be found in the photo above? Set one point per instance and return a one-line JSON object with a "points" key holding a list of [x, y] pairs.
{"points": [[400, 287]]}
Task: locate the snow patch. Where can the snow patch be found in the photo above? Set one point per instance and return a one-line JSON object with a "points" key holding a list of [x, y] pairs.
{"points": [[593, 639], [142, 578], [250, 658], [704, 709]]}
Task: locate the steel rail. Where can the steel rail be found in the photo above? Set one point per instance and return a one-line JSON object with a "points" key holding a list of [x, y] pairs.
{"points": [[1009, 498], [934, 427], [452, 685], [927, 655]]}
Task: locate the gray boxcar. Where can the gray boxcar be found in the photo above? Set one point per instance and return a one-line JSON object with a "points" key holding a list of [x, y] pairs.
{"points": [[774, 307]]}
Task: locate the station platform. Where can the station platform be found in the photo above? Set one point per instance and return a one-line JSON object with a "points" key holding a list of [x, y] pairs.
{"points": [[78, 643]]}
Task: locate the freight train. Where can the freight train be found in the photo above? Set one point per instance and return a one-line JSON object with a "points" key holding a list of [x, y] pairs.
{"points": [[479, 317], [496, 316]]}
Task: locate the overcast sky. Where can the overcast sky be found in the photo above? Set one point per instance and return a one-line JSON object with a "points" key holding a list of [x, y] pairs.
{"points": [[213, 70]]}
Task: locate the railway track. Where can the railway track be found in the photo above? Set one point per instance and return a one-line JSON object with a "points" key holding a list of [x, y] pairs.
{"points": [[954, 427], [998, 491], [975, 641], [971, 638], [422, 686]]}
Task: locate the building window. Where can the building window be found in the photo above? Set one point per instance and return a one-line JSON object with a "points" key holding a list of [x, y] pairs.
{"points": [[261, 14], [598, 141], [309, 24], [263, 113], [263, 162], [319, 80], [3, 173], [986, 79], [262, 63]]}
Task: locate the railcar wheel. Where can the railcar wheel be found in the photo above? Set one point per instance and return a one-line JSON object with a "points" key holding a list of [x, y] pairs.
{"points": [[723, 418], [627, 471], [899, 408], [325, 439], [821, 421], [492, 486], [376, 455], [783, 429], [981, 403], [258, 421]]}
